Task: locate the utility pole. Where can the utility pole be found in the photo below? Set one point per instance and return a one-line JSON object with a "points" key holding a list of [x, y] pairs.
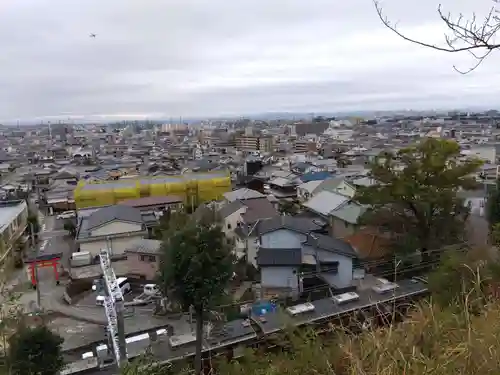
{"points": [[247, 238], [37, 280]]}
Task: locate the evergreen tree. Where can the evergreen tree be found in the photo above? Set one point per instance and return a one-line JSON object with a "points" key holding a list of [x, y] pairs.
{"points": [[196, 267], [35, 351]]}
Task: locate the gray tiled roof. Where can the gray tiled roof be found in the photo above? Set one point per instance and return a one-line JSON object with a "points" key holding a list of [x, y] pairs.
{"points": [[297, 224], [258, 209], [331, 244], [144, 246], [279, 257], [110, 213], [230, 208]]}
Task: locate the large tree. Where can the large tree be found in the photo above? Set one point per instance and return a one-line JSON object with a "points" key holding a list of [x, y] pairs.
{"points": [[35, 351], [475, 34], [493, 205], [415, 196], [196, 267]]}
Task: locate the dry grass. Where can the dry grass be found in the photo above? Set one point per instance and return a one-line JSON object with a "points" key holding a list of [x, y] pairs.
{"points": [[458, 333], [431, 341]]}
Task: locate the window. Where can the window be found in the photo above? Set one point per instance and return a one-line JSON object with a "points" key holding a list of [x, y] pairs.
{"points": [[148, 258], [229, 226]]}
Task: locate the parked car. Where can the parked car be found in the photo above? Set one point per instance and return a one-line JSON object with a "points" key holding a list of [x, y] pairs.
{"points": [[67, 215]]}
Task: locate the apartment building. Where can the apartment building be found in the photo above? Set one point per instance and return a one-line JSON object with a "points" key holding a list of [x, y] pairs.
{"points": [[302, 146], [13, 223], [262, 143]]}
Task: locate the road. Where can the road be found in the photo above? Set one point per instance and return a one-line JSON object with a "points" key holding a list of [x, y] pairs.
{"points": [[53, 238]]}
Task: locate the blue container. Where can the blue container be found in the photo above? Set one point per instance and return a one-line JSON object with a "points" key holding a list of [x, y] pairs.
{"points": [[263, 308]]}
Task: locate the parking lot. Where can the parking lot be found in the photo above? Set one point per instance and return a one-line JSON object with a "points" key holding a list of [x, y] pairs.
{"points": [[90, 298]]}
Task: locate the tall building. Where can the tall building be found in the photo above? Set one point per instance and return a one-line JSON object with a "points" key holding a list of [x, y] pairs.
{"points": [[262, 143]]}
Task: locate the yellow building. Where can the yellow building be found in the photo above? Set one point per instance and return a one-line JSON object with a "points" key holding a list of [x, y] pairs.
{"points": [[194, 188]]}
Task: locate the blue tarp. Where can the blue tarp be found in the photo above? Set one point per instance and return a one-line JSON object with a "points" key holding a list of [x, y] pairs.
{"points": [[315, 176], [263, 308]]}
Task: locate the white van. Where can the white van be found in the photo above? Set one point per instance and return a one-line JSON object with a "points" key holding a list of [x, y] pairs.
{"points": [[124, 286], [151, 289], [81, 259]]}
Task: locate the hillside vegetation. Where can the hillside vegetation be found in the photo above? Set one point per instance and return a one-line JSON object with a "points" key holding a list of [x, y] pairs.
{"points": [[456, 332], [431, 341]]}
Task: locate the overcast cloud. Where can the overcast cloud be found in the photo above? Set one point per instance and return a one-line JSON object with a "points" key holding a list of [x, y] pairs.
{"points": [[218, 57]]}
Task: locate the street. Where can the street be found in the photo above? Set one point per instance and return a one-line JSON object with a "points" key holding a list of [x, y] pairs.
{"points": [[53, 238], [80, 325]]}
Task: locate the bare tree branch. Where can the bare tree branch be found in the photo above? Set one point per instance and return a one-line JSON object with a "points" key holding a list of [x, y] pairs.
{"points": [[477, 37]]}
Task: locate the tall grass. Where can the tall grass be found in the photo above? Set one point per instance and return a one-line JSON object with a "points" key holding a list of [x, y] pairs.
{"points": [[431, 341], [456, 332]]}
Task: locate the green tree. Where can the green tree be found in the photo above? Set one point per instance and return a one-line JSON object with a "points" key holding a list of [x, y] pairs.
{"points": [[35, 351], [463, 279], [169, 222], [196, 266], [70, 226], [493, 205], [495, 235], [415, 196], [33, 224], [288, 208]]}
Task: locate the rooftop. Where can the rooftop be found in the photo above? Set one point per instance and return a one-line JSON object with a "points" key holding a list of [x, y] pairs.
{"points": [[9, 210], [326, 308]]}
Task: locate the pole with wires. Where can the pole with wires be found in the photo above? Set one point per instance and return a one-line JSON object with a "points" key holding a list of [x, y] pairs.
{"points": [[35, 264]]}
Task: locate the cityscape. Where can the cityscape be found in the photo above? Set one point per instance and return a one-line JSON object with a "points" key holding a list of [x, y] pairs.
{"points": [[266, 200]]}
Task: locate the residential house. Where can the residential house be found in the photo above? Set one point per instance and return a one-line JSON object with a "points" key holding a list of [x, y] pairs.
{"points": [[477, 227], [283, 227], [475, 199], [282, 187], [13, 224], [340, 211], [287, 258], [239, 220], [59, 197], [112, 227], [339, 185], [155, 204], [241, 194], [303, 168], [143, 259]]}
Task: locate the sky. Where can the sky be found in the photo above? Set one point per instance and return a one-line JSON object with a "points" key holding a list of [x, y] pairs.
{"points": [[193, 58]]}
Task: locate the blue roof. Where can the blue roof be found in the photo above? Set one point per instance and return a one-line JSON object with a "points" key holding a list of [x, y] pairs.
{"points": [[315, 176]]}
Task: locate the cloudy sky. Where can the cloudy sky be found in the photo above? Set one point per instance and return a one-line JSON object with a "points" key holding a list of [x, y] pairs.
{"points": [[219, 57]]}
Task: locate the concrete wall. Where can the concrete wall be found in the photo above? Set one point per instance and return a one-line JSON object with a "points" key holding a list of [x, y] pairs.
{"points": [[117, 245], [241, 249], [477, 205], [116, 227], [343, 277], [340, 228], [231, 222], [280, 277], [146, 268]]}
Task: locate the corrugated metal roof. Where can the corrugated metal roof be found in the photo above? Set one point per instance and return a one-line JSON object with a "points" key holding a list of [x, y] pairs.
{"points": [[349, 213], [325, 202]]}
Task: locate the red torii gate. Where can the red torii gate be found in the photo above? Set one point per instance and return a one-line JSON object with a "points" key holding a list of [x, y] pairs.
{"points": [[41, 261]]}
